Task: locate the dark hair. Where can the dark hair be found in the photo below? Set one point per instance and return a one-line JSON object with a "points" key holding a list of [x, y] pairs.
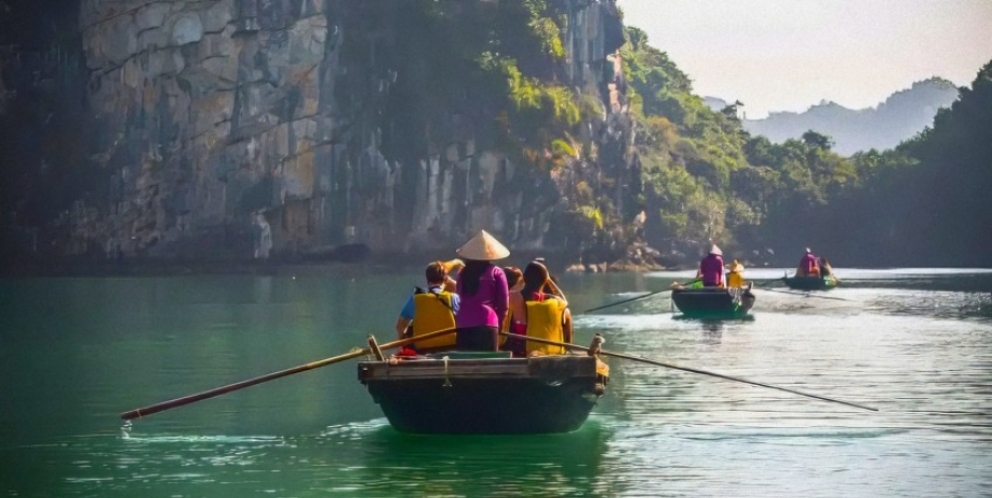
{"points": [[513, 275], [535, 277], [435, 272], [471, 274]]}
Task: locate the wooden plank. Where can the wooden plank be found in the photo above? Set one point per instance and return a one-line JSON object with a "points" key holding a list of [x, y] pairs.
{"points": [[543, 367]]}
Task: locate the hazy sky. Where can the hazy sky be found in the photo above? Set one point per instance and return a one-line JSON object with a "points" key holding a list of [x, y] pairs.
{"points": [[786, 55]]}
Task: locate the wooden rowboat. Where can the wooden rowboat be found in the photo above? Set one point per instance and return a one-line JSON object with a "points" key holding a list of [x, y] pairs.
{"points": [[811, 283], [485, 392], [713, 302]]}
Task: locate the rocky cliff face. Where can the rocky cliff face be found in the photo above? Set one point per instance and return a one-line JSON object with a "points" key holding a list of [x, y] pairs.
{"points": [[220, 125]]}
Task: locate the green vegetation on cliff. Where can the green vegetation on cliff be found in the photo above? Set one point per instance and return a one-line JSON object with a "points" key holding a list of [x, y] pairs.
{"points": [[707, 179]]}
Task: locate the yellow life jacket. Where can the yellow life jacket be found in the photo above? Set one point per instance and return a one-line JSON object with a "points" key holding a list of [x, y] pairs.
{"points": [[432, 312], [544, 321], [735, 279]]}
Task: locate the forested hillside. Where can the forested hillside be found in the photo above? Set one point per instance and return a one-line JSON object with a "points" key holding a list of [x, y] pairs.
{"points": [[901, 116], [708, 179], [405, 126]]}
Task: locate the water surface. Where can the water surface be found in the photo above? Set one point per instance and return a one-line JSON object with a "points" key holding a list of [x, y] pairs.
{"points": [[916, 344]]}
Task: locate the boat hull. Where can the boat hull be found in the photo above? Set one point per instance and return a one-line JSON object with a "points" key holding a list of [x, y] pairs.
{"points": [[713, 302], [549, 394], [810, 283]]}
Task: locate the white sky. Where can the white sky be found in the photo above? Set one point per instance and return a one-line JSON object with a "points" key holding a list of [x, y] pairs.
{"points": [[786, 55]]}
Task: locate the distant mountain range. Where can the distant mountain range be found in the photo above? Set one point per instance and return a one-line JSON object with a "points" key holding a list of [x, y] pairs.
{"points": [[902, 115]]}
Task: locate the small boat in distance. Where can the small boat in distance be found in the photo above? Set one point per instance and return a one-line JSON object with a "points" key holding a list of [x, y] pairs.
{"points": [[459, 392], [811, 283], [713, 302]]}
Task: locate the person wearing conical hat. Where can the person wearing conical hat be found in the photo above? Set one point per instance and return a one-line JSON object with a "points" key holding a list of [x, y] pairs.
{"points": [[711, 268], [484, 294], [809, 265], [735, 277]]}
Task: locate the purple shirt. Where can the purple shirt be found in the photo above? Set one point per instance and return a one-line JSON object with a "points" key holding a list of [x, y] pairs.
{"points": [[711, 269], [489, 304], [808, 263]]}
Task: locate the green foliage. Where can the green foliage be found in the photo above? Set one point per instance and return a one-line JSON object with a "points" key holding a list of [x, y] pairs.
{"points": [[594, 215]]}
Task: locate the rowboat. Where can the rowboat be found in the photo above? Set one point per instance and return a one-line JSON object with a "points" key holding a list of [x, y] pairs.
{"points": [[713, 302], [485, 392], [811, 283]]}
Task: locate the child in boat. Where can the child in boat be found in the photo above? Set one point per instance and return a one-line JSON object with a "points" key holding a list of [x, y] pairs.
{"points": [[735, 277]]}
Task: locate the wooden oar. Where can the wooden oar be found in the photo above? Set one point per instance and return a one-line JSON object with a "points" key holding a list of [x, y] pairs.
{"points": [[687, 369], [185, 400], [804, 295], [649, 294]]}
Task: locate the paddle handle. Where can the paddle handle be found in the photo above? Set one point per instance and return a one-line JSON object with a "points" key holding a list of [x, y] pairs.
{"points": [[185, 400]]}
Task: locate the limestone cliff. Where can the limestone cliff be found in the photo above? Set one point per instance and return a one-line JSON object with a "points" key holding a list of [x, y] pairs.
{"points": [[209, 123]]}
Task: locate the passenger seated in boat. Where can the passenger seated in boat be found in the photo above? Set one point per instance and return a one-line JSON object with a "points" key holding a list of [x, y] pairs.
{"points": [[516, 322], [543, 315], [809, 265], [825, 269], [483, 292], [711, 268], [429, 310], [735, 277]]}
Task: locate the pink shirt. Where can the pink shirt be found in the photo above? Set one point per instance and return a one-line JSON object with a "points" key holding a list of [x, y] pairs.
{"points": [[711, 269], [808, 262], [489, 304]]}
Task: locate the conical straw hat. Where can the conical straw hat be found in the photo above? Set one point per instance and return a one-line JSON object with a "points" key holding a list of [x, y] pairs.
{"points": [[716, 250], [483, 247], [736, 267]]}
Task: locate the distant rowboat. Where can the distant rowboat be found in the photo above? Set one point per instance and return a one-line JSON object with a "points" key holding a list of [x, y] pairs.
{"points": [[811, 283], [714, 302]]}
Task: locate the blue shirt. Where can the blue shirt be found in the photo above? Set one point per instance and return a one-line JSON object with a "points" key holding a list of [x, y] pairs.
{"points": [[408, 308]]}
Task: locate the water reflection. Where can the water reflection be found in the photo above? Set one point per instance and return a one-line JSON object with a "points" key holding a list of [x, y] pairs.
{"points": [[543, 465]]}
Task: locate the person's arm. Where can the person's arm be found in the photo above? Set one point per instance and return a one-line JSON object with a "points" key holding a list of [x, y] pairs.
{"points": [[501, 302], [406, 316], [557, 291], [450, 285], [569, 332], [401, 325]]}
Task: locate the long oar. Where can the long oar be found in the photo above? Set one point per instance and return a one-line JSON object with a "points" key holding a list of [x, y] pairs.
{"points": [[687, 369], [804, 295], [185, 400], [634, 298]]}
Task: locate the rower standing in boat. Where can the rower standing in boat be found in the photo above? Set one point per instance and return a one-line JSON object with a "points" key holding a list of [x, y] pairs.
{"points": [[711, 268], [809, 265], [483, 292], [429, 310]]}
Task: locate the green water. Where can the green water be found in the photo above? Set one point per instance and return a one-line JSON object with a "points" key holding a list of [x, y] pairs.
{"points": [[74, 353]]}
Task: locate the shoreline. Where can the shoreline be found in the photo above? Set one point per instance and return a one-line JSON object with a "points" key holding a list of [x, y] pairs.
{"points": [[378, 263]]}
